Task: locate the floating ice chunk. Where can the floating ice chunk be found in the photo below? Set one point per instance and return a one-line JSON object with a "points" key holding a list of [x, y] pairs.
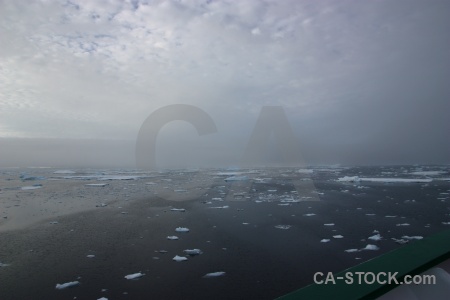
{"points": [[236, 178], [282, 204], [214, 274], [64, 172], [376, 237], [134, 276], [324, 240], [417, 237], [54, 222], [90, 256], [217, 199], [102, 298], [392, 180], [305, 171], [328, 224], [446, 223], [245, 223], [338, 236], [400, 241], [180, 191], [403, 224], [390, 216], [283, 226], [66, 285], [351, 250], [178, 209], [179, 258], [31, 187], [271, 191], [370, 215], [172, 237], [309, 215], [3, 265], [97, 184], [349, 179], [101, 205], [193, 252], [220, 207], [182, 229], [371, 247], [428, 173]]}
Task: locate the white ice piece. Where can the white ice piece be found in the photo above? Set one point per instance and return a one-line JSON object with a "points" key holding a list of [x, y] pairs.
{"points": [[283, 226], [328, 224], [376, 237], [416, 237], [351, 250], [193, 252], [371, 247], [338, 236], [134, 276], [66, 285], [220, 207], [309, 215], [403, 224], [90, 256], [182, 229], [179, 258], [31, 187], [172, 237], [324, 240], [178, 209], [214, 274]]}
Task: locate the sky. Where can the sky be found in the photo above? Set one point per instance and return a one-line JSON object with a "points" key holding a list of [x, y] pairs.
{"points": [[360, 82]]}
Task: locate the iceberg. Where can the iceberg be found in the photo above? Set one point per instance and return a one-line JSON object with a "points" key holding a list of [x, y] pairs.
{"points": [[338, 236], [324, 240], [351, 250], [417, 237], [66, 285], [172, 237]]}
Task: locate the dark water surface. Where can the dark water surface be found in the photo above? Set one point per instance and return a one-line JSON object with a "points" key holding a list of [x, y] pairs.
{"points": [[260, 260]]}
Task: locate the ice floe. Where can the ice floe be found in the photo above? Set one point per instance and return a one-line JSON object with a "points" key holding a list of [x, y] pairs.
{"points": [[305, 171], [179, 258], [134, 276], [214, 274], [182, 229], [309, 215], [90, 256], [221, 207], [416, 237], [403, 224], [283, 226], [31, 187], [66, 285], [371, 247], [338, 236], [193, 252], [446, 223], [64, 172], [236, 178], [172, 237], [376, 237], [428, 173], [324, 240], [102, 298], [178, 209], [3, 265], [351, 250], [97, 184], [328, 224], [385, 180]]}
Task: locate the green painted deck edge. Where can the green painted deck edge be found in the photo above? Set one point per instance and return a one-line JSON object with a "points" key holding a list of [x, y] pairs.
{"points": [[411, 259]]}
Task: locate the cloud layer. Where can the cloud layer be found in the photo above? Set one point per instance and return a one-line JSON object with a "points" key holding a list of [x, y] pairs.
{"points": [[365, 78]]}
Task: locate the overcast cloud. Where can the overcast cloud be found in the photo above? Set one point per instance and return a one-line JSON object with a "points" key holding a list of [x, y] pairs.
{"points": [[360, 81]]}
